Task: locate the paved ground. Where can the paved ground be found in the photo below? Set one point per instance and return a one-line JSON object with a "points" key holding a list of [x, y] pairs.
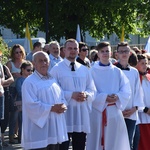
{"points": [[11, 146], [14, 146]]}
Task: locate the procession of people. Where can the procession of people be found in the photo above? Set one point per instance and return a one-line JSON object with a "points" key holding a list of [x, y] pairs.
{"points": [[51, 99]]}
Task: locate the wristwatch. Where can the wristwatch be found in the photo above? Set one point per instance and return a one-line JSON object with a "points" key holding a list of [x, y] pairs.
{"points": [[145, 110], [87, 96]]}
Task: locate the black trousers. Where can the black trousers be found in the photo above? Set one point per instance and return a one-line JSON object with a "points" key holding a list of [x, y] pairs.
{"points": [[78, 141], [49, 147]]}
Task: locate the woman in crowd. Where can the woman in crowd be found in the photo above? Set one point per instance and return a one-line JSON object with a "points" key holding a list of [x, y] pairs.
{"points": [[17, 56]]}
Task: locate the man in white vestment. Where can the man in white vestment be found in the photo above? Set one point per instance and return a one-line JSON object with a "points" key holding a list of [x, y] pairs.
{"points": [[108, 129], [136, 100], [44, 125], [79, 90]]}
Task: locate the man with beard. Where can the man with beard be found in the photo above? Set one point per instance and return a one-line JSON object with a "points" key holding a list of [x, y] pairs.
{"points": [[54, 50], [79, 90]]}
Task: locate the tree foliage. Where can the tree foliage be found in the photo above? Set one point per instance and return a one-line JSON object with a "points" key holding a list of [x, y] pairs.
{"points": [[4, 50], [98, 17]]}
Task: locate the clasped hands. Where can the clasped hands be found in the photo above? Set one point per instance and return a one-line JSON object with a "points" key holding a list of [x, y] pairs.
{"points": [[129, 112], [148, 111], [79, 96], [59, 108], [112, 98]]}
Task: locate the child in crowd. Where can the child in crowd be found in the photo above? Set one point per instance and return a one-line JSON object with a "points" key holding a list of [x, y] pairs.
{"points": [[26, 70]]}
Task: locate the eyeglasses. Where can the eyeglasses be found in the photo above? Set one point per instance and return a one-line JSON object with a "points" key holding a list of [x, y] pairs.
{"points": [[29, 70], [125, 51], [84, 49], [18, 52]]}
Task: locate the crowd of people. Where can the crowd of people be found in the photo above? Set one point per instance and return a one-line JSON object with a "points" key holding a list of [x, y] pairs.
{"points": [[94, 99]]}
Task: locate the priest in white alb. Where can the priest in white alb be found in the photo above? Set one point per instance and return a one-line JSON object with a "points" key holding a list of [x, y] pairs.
{"points": [[44, 105]]}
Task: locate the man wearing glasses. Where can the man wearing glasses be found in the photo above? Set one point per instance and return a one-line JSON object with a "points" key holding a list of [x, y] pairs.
{"points": [[136, 100], [83, 53]]}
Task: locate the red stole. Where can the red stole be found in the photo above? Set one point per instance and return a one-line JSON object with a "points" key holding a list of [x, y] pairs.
{"points": [[147, 76]]}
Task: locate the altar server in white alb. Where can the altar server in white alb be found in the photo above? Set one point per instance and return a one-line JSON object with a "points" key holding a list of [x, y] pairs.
{"points": [[78, 86], [108, 129], [144, 115], [44, 125], [136, 100]]}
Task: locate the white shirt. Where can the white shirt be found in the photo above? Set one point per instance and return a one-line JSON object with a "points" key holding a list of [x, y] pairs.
{"points": [[109, 80], [53, 61], [42, 127], [136, 98], [80, 80], [145, 118]]}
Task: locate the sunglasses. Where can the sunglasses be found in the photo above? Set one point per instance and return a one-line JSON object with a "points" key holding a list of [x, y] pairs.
{"points": [[29, 70], [84, 49], [18, 52]]}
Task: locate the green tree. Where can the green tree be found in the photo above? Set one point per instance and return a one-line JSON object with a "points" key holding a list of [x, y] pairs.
{"points": [[98, 17], [4, 50]]}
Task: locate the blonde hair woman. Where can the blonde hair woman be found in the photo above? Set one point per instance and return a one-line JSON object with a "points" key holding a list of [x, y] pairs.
{"points": [[17, 56]]}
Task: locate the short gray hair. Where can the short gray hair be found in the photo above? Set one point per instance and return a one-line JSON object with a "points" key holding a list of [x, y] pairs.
{"points": [[38, 53], [54, 42]]}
